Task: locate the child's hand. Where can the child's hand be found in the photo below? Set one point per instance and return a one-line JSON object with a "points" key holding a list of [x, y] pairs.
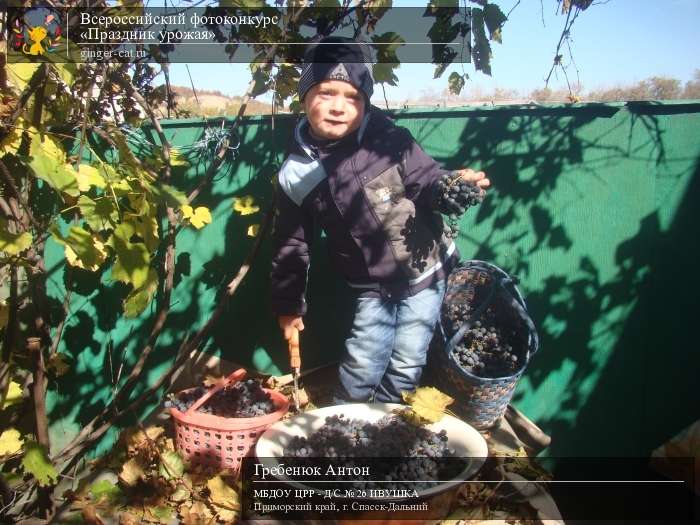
{"points": [[475, 177], [288, 322]]}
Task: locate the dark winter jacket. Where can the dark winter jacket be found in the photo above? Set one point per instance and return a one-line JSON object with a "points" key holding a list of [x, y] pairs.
{"points": [[372, 196]]}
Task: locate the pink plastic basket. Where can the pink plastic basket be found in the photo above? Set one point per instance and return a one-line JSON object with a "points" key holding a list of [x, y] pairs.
{"points": [[218, 442]]}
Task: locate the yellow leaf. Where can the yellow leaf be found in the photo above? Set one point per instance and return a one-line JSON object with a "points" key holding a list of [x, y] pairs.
{"points": [[245, 205], [132, 471], [187, 211], [88, 176], [224, 499], [253, 230], [177, 159], [10, 442], [21, 73], [197, 217], [137, 440], [12, 243], [428, 403], [14, 395]]}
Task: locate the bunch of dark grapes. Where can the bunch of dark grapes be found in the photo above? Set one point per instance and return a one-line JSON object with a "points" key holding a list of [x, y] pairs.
{"points": [[184, 400], [453, 196], [242, 399], [345, 439], [484, 352]]}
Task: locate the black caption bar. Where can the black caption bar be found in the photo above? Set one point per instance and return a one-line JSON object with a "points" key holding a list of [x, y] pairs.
{"points": [[227, 34], [389, 488]]}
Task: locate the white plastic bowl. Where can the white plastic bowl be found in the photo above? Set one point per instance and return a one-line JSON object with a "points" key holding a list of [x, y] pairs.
{"points": [[463, 438]]}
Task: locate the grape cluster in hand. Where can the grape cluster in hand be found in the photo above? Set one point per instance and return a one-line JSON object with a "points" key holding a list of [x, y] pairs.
{"points": [[454, 195], [390, 437], [484, 352], [241, 399]]}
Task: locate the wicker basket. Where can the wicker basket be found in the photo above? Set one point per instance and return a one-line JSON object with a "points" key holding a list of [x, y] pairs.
{"points": [[481, 401], [219, 443]]}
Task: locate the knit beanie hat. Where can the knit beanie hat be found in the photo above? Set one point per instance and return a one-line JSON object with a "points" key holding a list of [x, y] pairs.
{"points": [[338, 58]]}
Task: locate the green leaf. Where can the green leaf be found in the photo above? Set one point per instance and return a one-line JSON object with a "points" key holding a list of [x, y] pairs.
{"points": [[168, 195], [36, 462], [494, 19], [132, 259], [455, 83], [481, 52], [100, 214], [13, 243], [139, 299], [171, 465], [384, 72], [104, 491], [49, 164], [161, 514]]}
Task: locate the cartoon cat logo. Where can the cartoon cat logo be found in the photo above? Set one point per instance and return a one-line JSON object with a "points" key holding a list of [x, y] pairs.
{"points": [[36, 39], [37, 36]]}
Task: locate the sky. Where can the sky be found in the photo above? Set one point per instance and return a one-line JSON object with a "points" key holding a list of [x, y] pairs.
{"points": [[614, 42]]}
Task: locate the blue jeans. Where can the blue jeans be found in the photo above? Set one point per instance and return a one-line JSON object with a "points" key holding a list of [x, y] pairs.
{"points": [[387, 347]]}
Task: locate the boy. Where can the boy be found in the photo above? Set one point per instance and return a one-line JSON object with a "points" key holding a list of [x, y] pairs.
{"points": [[378, 196]]}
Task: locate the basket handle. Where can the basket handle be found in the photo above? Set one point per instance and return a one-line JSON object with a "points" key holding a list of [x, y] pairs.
{"points": [[232, 378]]}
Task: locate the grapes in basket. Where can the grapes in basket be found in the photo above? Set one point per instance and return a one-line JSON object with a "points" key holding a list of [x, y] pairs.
{"points": [[420, 457], [486, 350], [241, 399]]}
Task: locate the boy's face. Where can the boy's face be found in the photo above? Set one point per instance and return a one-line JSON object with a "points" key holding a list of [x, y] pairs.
{"points": [[334, 109]]}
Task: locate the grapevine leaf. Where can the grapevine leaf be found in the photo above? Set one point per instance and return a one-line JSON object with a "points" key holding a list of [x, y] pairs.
{"points": [[139, 299], [245, 205], [12, 243], [177, 158], [133, 259], [146, 227], [182, 493], [171, 465], [14, 395], [160, 514], [83, 249], [10, 442], [88, 176], [132, 471], [198, 217], [494, 20], [138, 440], [224, 499], [37, 463], [21, 73], [428, 403], [455, 83], [253, 230], [48, 164], [166, 194], [100, 214], [196, 514], [104, 491]]}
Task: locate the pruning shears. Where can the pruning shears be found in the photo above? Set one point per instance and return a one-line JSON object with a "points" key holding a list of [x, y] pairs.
{"points": [[295, 364]]}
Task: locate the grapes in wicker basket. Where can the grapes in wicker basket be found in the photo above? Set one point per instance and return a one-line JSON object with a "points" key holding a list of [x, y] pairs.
{"points": [[242, 399], [487, 349]]}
